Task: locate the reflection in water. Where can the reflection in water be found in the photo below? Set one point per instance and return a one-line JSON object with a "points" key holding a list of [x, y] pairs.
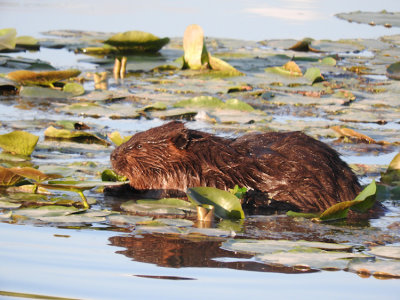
{"points": [[177, 252]]}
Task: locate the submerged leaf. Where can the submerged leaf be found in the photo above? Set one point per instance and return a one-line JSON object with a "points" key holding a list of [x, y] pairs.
{"points": [[26, 77], [227, 205], [18, 142]]}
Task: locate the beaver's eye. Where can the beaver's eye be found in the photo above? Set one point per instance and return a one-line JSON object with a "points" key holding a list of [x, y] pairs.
{"points": [[138, 146]]}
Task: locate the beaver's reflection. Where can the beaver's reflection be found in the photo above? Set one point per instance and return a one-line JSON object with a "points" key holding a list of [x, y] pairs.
{"points": [[176, 252]]}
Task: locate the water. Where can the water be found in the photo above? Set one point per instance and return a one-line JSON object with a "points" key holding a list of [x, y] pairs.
{"points": [[248, 20], [81, 264]]}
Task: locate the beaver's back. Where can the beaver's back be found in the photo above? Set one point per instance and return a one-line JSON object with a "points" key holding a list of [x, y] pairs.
{"points": [[298, 169]]}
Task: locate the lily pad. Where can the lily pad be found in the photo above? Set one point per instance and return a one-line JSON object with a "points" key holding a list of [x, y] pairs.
{"points": [[27, 42], [314, 75], [74, 88], [19, 142], [42, 92], [288, 69], [154, 208], [201, 101], [393, 71], [272, 246], [316, 259], [8, 38], [117, 139], [8, 177], [26, 77], [386, 251], [237, 104], [304, 46], [78, 135], [385, 18], [137, 41], [125, 219], [223, 67], [227, 205], [47, 211], [380, 269], [34, 174]]}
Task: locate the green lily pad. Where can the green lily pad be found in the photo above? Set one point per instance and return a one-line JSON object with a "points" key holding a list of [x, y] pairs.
{"points": [[314, 75], [223, 67], [125, 219], [25, 77], [74, 89], [137, 41], [8, 177], [28, 42], [329, 61], [168, 201], [237, 104], [82, 136], [176, 222], [393, 71], [8, 38], [117, 139], [47, 211], [201, 101], [364, 201], [148, 207], [155, 106], [227, 205], [8, 204], [110, 175], [19, 142], [42, 92], [385, 18], [288, 69]]}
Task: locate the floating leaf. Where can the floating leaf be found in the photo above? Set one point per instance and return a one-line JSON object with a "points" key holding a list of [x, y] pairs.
{"points": [[42, 92], [304, 46], [168, 201], [110, 175], [227, 205], [386, 251], [330, 61], [294, 214], [395, 163], [34, 174], [223, 67], [314, 75], [337, 211], [176, 222], [137, 41], [26, 77], [195, 52], [347, 132], [393, 71], [52, 132], [18, 142], [380, 269], [74, 88], [125, 219], [392, 174], [272, 246], [201, 101], [155, 106], [117, 139], [238, 105], [288, 69], [47, 211], [8, 38], [27, 42], [8, 177], [149, 207]]}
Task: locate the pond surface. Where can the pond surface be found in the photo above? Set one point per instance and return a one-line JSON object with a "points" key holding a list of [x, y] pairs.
{"points": [[109, 253]]}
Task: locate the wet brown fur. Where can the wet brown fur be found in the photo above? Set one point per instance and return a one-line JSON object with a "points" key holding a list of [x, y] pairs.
{"points": [[285, 170]]}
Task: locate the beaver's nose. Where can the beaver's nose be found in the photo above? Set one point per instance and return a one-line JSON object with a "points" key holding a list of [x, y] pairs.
{"points": [[113, 155]]}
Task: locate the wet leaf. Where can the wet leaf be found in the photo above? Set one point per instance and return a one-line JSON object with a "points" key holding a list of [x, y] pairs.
{"points": [[304, 46], [314, 75], [110, 175], [288, 69], [74, 185], [316, 259], [26, 41], [337, 211], [393, 71], [380, 269], [227, 205], [47, 211], [294, 214], [366, 198], [272, 246], [195, 52], [42, 92], [223, 67], [74, 88], [347, 132], [395, 163], [386, 251], [78, 135], [8, 38], [155, 106], [168, 201], [384, 18], [26, 77], [201, 101], [18, 142], [175, 222], [127, 219], [236, 104], [149, 207], [330, 61], [137, 41], [8, 204], [8, 177], [34, 174], [117, 139]]}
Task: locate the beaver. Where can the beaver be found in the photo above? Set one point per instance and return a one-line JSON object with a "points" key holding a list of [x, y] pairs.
{"points": [[281, 170]]}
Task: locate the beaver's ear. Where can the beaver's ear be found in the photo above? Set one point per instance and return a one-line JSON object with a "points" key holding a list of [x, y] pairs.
{"points": [[181, 139]]}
